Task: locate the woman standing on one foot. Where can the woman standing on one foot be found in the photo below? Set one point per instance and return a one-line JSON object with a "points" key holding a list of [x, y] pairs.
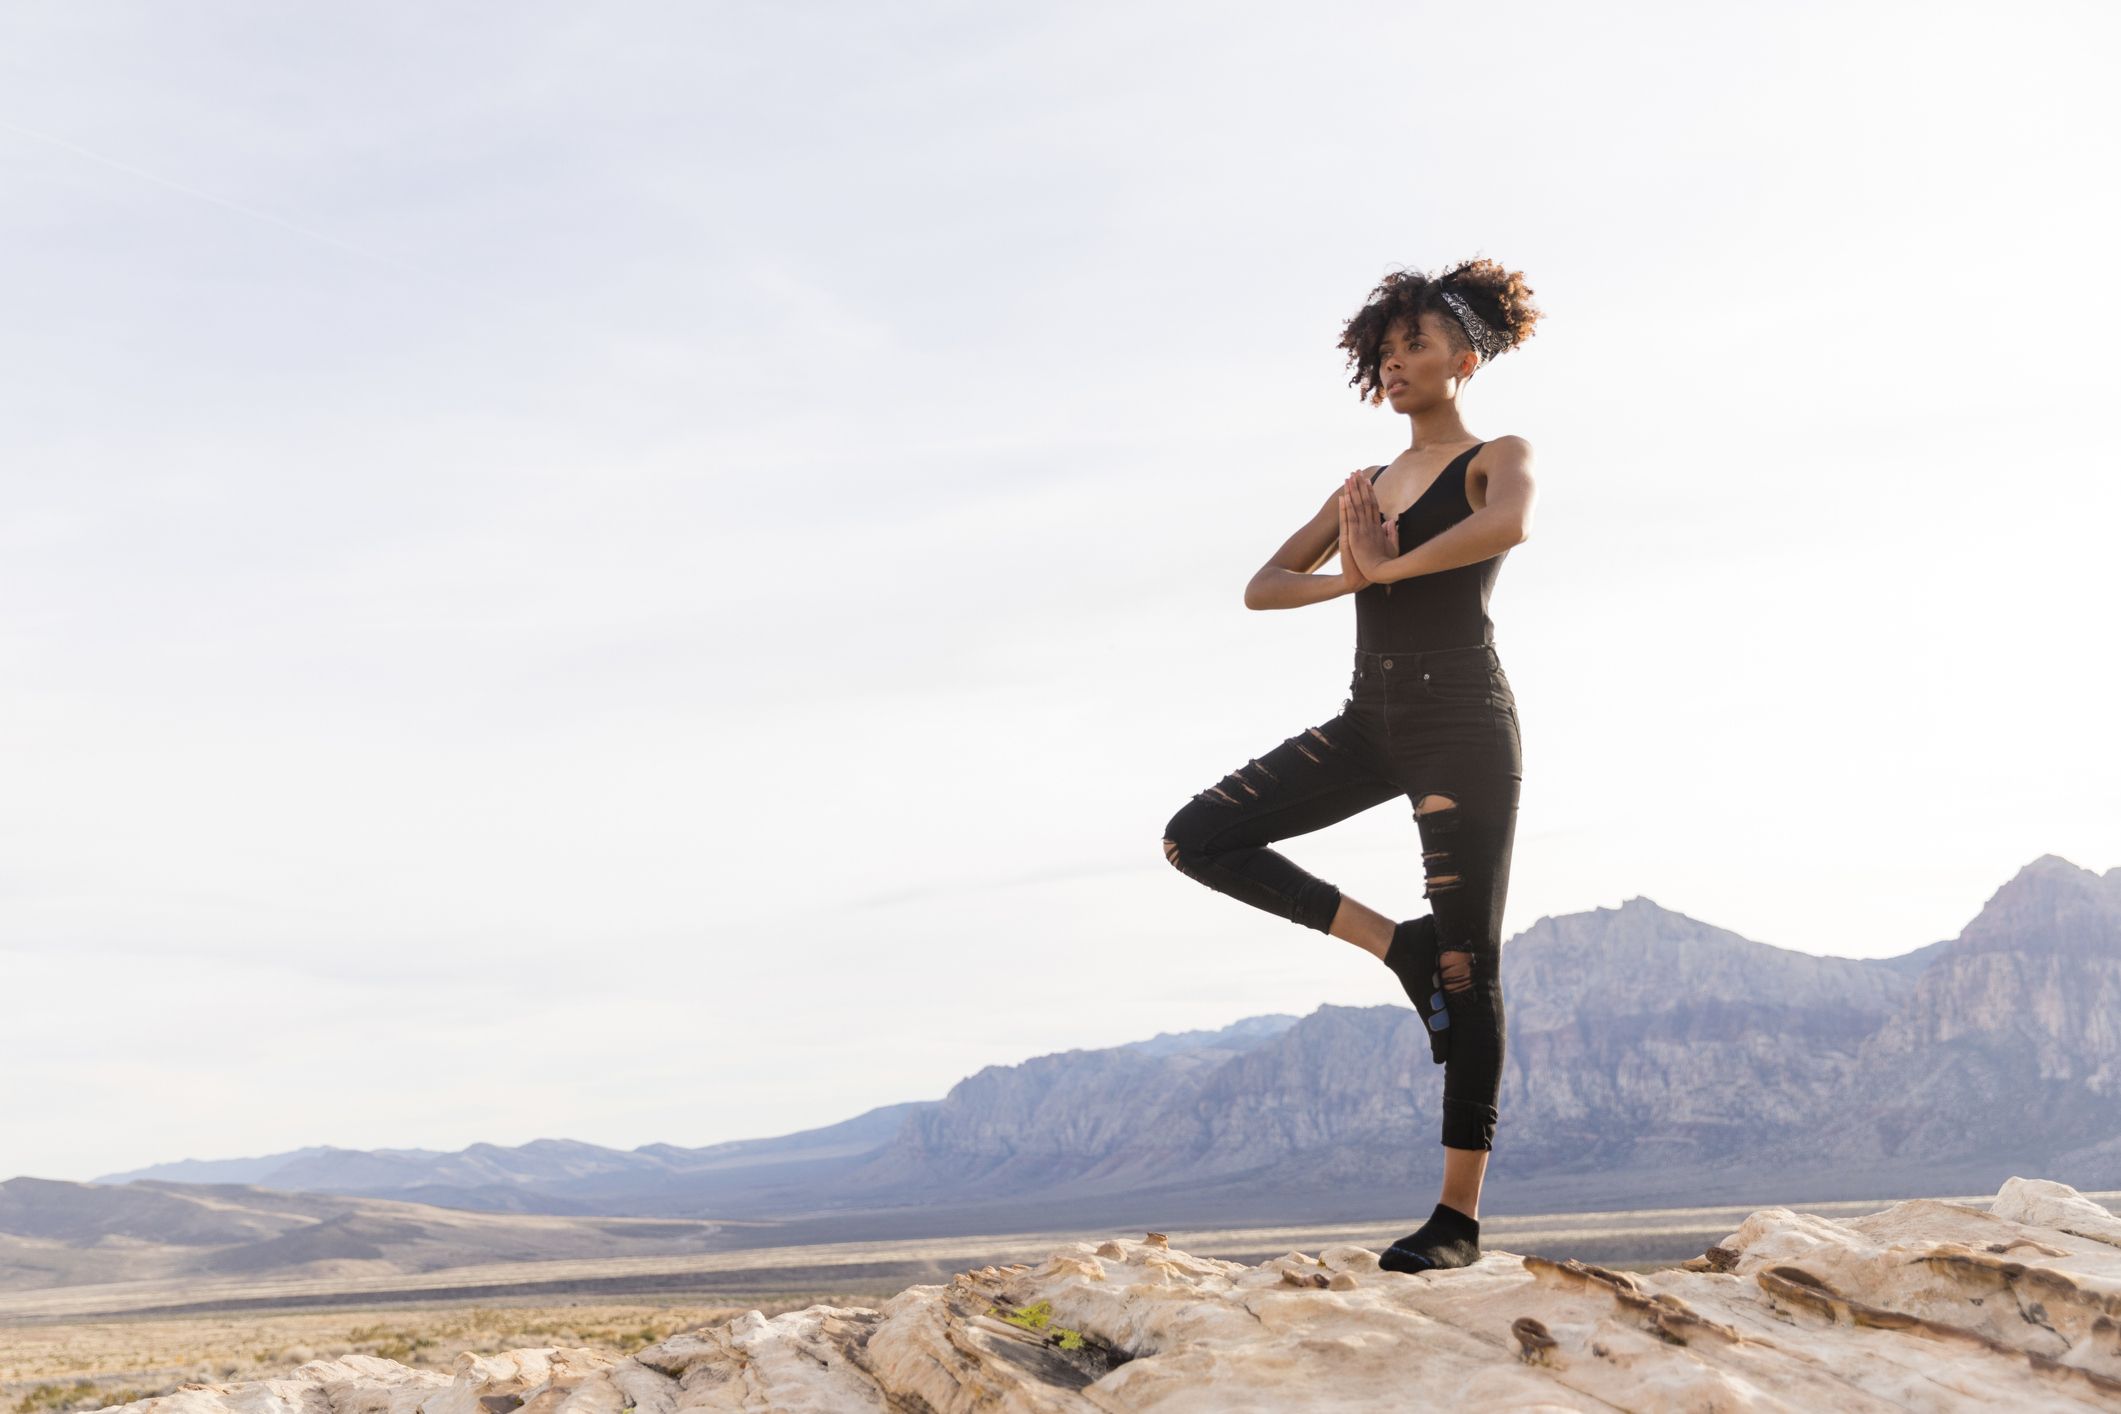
{"points": [[1429, 716]]}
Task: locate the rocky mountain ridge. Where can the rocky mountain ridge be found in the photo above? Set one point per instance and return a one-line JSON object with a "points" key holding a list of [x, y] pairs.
{"points": [[1646, 1048]]}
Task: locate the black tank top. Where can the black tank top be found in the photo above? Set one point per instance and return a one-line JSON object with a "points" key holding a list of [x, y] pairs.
{"points": [[1447, 609]]}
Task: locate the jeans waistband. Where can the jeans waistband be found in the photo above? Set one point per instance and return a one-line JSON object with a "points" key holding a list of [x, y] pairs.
{"points": [[1395, 658]]}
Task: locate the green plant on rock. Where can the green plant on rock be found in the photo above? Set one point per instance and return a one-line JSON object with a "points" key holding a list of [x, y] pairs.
{"points": [[1037, 1318]]}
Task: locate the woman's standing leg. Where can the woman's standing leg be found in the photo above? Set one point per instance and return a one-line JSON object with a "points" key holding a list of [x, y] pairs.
{"points": [[1320, 776], [1468, 836], [1462, 765]]}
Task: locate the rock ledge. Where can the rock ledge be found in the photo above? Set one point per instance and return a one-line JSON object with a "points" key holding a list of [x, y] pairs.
{"points": [[1925, 1305]]}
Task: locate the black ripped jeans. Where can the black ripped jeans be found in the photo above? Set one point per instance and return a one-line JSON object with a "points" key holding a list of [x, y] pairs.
{"points": [[1436, 723]]}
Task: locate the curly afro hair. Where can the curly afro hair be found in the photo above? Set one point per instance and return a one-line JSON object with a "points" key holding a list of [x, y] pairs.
{"points": [[1499, 296]]}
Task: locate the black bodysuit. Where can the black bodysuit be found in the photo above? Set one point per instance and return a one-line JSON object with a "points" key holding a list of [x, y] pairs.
{"points": [[1447, 609]]}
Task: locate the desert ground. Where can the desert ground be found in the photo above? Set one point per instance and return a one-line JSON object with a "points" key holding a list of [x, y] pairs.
{"points": [[65, 1349], [50, 1367]]}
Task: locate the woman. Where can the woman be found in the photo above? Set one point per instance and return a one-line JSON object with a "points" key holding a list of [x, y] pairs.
{"points": [[1429, 715]]}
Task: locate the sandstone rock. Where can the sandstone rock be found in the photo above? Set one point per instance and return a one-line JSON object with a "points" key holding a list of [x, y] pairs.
{"points": [[1926, 1305]]}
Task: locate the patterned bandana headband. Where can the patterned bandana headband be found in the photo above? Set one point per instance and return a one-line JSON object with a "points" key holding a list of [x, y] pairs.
{"points": [[1486, 342]]}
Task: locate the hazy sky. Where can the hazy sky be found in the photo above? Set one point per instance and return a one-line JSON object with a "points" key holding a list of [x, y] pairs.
{"points": [[653, 572]]}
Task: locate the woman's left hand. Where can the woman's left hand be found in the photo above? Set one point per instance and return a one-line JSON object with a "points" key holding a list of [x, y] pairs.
{"points": [[1371, 539]]}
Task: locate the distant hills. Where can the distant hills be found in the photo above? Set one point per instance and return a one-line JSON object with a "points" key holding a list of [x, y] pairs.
{"points": [[1652, 1059]]}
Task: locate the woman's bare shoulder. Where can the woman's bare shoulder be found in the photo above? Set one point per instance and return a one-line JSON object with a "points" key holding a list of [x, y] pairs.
{"points": [[1501, 469], [1512, 454]]}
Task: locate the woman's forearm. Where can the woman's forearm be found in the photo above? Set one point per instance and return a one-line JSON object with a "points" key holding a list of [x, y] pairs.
{"points": [[1480, 536], [1277, 588]]}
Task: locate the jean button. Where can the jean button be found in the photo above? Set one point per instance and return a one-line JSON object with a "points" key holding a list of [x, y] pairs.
{"points": [[1388, 662], [1424, 677]]}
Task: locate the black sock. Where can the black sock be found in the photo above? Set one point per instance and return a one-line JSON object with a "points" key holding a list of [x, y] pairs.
{"points": [[1448, 1239], [1413, 957]]}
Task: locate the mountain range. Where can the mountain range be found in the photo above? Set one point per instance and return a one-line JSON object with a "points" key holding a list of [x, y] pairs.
{"points": [[1652, 1059]]}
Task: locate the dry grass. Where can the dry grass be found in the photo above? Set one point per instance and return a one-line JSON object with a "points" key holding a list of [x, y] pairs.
{"points": [[56, 1368]]}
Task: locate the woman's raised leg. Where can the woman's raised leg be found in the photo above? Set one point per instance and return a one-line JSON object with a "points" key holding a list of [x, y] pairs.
{"points": [[1315, 778]]}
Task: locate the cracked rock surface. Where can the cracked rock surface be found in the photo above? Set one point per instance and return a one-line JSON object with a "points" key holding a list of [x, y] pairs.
{"points": [[1925, 1305]]}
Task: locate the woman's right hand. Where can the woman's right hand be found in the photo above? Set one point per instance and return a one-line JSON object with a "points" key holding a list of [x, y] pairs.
{"points": [[1296, 574]]}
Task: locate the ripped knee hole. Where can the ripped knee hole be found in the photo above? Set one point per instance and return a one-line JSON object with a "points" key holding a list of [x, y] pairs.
{"points": [[1444, 878], [1458, 974]]}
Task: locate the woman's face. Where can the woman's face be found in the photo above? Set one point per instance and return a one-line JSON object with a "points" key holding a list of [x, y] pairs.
{"points": [[1421, 370]]}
